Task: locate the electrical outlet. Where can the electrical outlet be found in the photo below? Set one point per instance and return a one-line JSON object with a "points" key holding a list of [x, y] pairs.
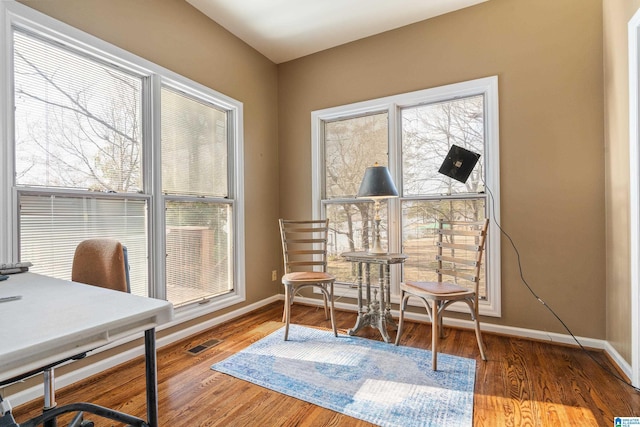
{"points": [[274, 275]]}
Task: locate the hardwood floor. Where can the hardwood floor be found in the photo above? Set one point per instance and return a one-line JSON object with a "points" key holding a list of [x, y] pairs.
{"points": [[524, 383]]}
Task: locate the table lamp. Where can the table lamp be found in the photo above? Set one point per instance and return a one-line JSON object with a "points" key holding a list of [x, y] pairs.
{"points": [[377, 185]]}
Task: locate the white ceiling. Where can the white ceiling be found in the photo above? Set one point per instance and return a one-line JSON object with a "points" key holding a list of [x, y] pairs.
{"points": [[283, 30]]}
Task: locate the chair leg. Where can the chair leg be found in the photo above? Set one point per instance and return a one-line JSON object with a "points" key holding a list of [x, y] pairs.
{"points": [[403, 306], [440, 325], [435, 328], [479, 338], [332, 311], [287, 310], [474, 314], [326, 306], [288, 301], [284, 307]]}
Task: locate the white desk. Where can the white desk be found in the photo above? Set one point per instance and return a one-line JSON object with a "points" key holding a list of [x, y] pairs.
{"points": [[56, 319]]}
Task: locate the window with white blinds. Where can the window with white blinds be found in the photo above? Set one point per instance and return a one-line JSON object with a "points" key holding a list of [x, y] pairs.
{"points": [[194, 163], [77, 127], [194, 146], [198, 248], [106, 144]]}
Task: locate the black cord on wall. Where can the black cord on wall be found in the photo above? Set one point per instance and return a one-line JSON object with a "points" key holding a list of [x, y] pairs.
{"points": [[541, 301]]}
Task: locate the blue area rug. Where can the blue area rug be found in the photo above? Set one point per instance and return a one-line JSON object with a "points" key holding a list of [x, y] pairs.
{"points": [[366, 379]]}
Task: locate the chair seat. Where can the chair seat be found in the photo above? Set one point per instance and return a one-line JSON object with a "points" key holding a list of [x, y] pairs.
{"points": [[435, 288], [307, 277]]}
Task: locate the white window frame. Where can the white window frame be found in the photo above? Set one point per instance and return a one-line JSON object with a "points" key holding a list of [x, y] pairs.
{"points": [[16, 14], [634, 197], [488, 87]]}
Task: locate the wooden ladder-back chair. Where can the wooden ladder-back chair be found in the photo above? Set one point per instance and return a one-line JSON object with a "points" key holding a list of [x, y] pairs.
{"points": [[304, 249], [460, 247]]}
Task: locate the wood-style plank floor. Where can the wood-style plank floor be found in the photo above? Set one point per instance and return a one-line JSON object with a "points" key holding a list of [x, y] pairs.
{"points": [[523, 383]]}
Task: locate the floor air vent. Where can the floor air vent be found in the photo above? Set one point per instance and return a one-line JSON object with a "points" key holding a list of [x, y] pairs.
{"points": [[202, 347]]}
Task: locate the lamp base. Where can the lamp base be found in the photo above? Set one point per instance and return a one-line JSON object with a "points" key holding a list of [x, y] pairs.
{"points": [[381, 252], [377, 248]]}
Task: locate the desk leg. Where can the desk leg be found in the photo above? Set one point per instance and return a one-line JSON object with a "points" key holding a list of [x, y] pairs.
{"points": [[49, 395], [151, 375]]}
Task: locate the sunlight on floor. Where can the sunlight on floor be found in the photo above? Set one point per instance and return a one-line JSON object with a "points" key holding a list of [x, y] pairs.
{"points": [[516, 412]]}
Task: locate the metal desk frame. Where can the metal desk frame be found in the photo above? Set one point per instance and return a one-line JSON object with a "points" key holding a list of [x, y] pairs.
{"points": [[377, 311], [31, 344]]}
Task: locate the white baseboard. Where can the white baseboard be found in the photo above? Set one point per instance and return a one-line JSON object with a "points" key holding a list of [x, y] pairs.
{"points": [[551, 337], [624, 366], [101, 365]]}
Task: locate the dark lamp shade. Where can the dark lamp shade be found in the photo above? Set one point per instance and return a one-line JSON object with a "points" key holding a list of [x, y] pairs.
{"points": [[377, 183]]}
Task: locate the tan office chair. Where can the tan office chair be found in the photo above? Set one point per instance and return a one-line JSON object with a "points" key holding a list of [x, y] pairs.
{"points": [[97, 262], [460, 247], [101, 262], [304, 248]]}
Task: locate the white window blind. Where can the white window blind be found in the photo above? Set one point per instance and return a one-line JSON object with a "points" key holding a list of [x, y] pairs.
{"points": [[51, 226], [198, 247], [194, 146]]}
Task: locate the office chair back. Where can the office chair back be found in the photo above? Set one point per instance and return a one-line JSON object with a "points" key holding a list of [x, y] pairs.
{"points": [[101, 262]]}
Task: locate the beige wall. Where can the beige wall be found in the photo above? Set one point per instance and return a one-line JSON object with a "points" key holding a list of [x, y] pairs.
{"points": [[548, 57], [616, 15], [173, 34]]}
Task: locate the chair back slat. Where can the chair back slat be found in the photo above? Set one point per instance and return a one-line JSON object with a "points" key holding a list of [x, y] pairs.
{"points": [[301, 263], [458, 232], [293, 241], [458, 274], [460, 248], [306, 252], [456, 260]]}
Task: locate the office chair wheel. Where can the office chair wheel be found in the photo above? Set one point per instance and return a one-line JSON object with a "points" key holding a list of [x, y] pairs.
{"points": [[87, 424]]}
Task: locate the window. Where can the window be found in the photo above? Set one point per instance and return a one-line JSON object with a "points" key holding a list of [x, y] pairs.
{"points": [[428, 132], [411, 134], [198, 211], [106, 144]]}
